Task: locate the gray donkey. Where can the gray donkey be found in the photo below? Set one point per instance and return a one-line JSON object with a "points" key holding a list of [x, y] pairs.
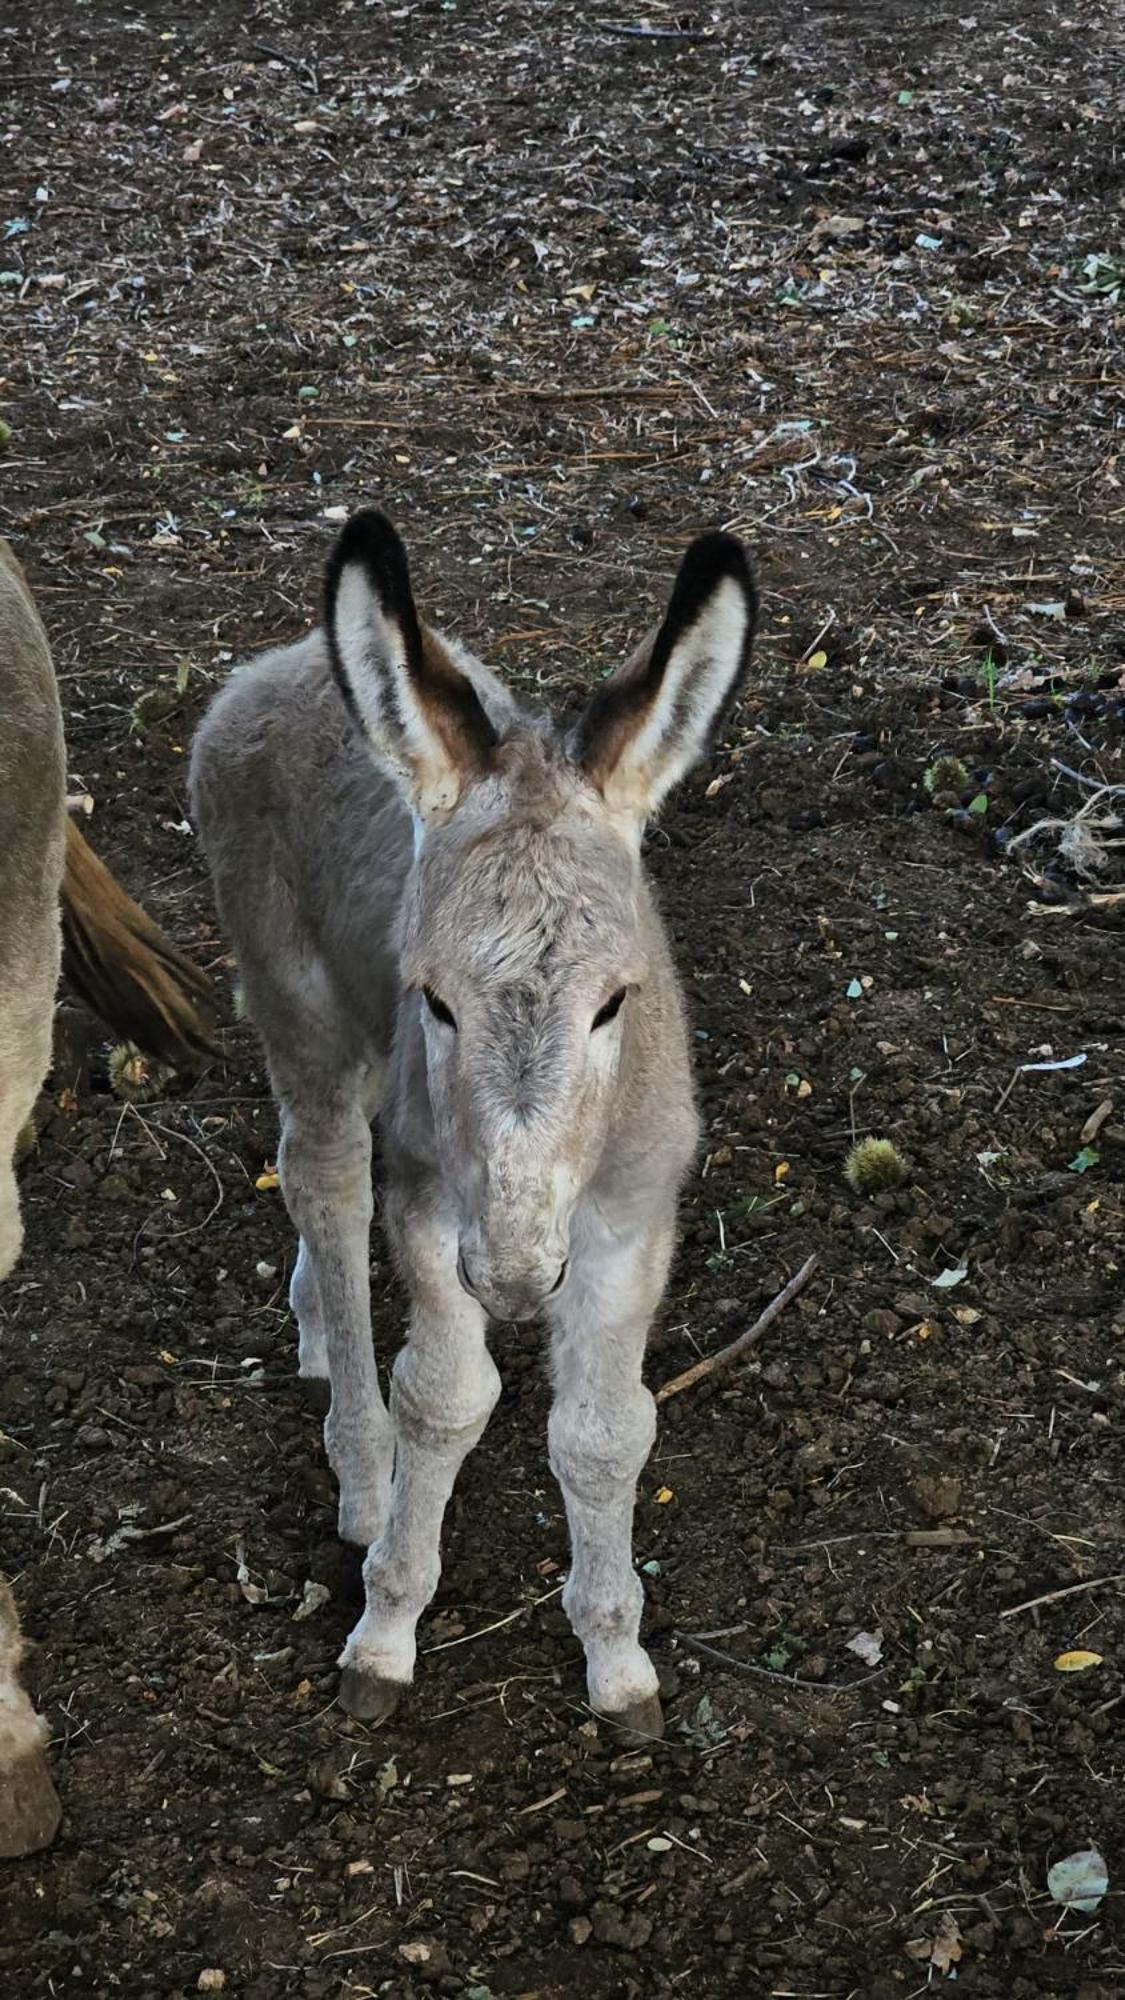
{"points": [[125, 967], [438, 906]]}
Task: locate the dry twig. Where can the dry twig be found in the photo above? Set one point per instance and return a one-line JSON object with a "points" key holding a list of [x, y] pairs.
{"points": [[722, 1359]]}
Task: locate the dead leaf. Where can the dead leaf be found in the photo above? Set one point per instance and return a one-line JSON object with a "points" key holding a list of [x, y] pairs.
{"points": [[252, 1592], [1095, 1122], [943, 1950]]}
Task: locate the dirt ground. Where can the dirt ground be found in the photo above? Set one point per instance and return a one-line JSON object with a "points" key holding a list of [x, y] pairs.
{"points": [[842, 278]]}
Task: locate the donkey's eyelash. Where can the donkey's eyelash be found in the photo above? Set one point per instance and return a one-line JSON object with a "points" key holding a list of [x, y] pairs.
{"points": [[438, 1008], [612, 1006]]}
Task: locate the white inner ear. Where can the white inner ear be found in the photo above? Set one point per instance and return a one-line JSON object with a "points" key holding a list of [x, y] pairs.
{"points": [[373, 652], [696, 684]]}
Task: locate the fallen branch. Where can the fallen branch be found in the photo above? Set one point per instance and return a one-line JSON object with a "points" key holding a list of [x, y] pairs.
{"points": [[695, 1645], [712, 1362], [641, 32], [1108, 900], [1069, 1590]]}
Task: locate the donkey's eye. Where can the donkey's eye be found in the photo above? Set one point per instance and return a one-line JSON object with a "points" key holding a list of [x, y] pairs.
{"points": [[612, 1007], [438, 1008]]}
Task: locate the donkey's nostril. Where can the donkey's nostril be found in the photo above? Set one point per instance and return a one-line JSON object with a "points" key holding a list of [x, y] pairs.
{"points": [[562, 1274]]}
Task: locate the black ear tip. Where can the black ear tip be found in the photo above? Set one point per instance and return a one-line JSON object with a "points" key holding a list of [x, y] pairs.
{"points": [[713, 556], [709, 562], [369, 539]]}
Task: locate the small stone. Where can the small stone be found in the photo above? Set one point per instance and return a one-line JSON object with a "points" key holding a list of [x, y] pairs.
{"points": [[579, 1929], [211, 1980], [883, 1323], [937, 1494]]}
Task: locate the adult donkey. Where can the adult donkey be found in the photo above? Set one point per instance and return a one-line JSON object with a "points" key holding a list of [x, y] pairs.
{"points": [[437, 897], [128, 972]]}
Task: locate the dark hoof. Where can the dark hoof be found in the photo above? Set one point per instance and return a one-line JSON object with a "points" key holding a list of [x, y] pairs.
{"points": [[641, 1718], [317, 1393], [29, 1807], [370, 1697]]}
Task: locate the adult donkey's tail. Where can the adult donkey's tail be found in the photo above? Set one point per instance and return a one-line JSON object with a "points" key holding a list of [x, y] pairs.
{"points": [[124, 967]]}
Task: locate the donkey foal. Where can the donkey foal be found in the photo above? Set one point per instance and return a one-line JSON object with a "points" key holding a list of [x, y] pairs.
{"points": [[437, 900]]}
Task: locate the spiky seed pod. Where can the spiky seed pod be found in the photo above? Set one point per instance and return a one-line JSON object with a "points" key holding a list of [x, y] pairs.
{"points": [[873, 1166], [134, 1076], [946, 774]]}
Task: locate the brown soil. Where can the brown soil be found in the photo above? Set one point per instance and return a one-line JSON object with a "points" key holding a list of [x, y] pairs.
{"points": [[561, 297]]}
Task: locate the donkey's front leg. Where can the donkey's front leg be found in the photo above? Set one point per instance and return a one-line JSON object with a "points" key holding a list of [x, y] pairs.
{"points": [[325, 1165], [600, 1432], [443, 1391]]}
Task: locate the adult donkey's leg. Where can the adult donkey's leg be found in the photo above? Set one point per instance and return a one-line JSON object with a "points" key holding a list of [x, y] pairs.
{"points": [[600, 1432], [443, 1392], [324, 1161], [29, 1804]]}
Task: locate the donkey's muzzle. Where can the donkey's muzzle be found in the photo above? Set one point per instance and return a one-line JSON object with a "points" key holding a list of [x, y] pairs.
{"points": [[516, 1298]]}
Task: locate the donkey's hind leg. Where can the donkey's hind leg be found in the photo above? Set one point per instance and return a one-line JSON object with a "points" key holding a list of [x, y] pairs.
{"points": [[304, 1291], [322, 1084], [325, 1166]]}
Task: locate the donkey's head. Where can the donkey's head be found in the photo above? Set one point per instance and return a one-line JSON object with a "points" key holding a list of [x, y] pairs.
{"points": [[524, 942]]}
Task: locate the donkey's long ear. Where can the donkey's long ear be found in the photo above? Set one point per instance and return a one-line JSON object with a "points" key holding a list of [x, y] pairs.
{"points": [[419, 712], [657, 716]]}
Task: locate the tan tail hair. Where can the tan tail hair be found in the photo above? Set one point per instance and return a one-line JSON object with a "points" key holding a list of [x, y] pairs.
{"points": [[124, 967]]}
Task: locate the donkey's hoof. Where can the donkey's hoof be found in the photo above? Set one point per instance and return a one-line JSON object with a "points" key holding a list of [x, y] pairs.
{"points": [[369, 1696], [644, 1717], [29, 1807]]}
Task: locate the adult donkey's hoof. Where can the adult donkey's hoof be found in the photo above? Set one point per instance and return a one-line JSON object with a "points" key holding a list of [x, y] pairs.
{"points": [[369, 1696], [640, 1718], [29, 1807]]}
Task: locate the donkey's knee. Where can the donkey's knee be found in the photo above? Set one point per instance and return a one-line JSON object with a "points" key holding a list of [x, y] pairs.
{"points": [[596, 1452], [443, 1397], [325, 1173]]}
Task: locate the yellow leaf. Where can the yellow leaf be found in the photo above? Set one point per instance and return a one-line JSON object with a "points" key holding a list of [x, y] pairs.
{"points": [[781, 1171], [1077, 1663], [665, 1494], [817, 659], [267, 1180]]}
